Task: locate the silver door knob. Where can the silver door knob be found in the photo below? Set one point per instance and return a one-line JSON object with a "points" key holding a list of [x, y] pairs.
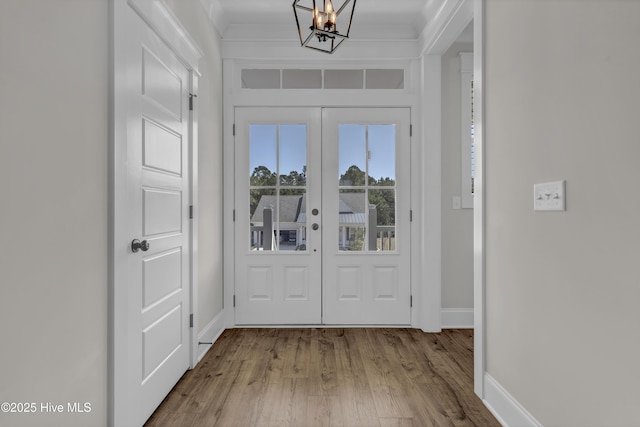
{"points": [[137, 245]]}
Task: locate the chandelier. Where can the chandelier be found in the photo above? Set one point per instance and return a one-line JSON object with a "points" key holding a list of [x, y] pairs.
{"points": [[323, 34]]}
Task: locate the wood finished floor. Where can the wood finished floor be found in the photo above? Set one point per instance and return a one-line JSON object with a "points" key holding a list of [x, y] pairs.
{"points": [[329, 377]]}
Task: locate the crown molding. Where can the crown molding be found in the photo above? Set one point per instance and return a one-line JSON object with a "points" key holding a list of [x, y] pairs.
{"points": [[288, 31], [216, 15], [441, 22], [449, 21], [291, 49]]}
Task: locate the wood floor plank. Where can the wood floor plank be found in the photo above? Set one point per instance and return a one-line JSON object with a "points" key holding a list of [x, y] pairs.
{"points": [[397, 422], [278, 408], [357, 403], [329, 377], [296, 356]]}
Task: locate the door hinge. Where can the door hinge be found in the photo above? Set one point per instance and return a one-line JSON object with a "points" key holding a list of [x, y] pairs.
{"points": [[234, 215], [191, 96], [190, 211], [410, 130], [191, 320], [234, 300], [410, 300], [234, 129], [411, 215]]}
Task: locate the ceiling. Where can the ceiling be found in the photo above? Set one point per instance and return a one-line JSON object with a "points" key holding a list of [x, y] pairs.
{"points": [[255, 11], [274, 19]]}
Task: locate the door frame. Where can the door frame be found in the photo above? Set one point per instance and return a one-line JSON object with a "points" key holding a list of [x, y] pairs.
{"points": [[320, 122], [425, 286], [479, 262], [447, 26], [166, 26]]}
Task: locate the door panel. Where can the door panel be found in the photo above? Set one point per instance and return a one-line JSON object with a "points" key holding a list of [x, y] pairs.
{"points": [[161, 83], [366, 204], [162, 149], [154, 208], [278, 254]]}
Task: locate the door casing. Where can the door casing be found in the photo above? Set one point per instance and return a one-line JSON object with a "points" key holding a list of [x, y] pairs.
{"points": [[425, 158]]}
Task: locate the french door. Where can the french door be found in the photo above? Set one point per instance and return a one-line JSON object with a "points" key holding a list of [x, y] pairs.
{"points": [[322, 230]]}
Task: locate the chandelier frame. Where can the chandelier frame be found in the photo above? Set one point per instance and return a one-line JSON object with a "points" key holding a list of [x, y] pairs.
{"points": [[326, 38]]}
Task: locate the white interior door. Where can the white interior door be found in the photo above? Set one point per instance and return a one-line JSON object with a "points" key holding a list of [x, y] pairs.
{"points": [[322, 216], [152, 194]]}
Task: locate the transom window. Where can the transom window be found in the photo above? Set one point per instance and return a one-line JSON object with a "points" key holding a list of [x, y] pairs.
{"points": [[370, 78]]}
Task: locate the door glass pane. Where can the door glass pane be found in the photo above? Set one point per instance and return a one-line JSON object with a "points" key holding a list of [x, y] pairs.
{"points": [[352, 154], [367, 207], [385, 79], [382, 219], [277, 207], [302, 79], [292, 220], [293, 155], [343, 79], [263, 154], [382, 155], [260, 79], [352, 220], [263, 206]]}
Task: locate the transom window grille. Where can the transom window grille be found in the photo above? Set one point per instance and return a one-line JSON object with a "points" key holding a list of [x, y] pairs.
{"points": [[370, 78]]}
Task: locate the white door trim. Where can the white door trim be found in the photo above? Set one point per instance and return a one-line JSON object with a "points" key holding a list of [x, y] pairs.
{"points": [[446, 27], [441, 32], [479, 345], [236, 96], [162, 21], [193, 220], [165, 24], [430, 266]]}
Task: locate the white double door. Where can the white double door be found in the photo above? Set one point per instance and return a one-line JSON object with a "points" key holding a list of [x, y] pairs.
{"points": [[322, 228]]}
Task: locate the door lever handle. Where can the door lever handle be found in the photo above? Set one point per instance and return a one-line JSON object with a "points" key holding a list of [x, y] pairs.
{"points": [[137, 245]]}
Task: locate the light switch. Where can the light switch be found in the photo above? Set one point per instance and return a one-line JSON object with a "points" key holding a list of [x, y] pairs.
{"points": [[549, 196]]}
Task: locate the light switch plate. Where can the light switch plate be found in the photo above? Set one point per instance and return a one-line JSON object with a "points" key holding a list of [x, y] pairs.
{"points": [[549, 196]]}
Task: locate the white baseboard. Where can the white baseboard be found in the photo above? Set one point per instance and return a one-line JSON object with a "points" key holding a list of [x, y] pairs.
{"points": [[504, 407], [456, 318], [210, 333]]}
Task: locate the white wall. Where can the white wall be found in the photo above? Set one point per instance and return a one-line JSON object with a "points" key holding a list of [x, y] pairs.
{"points": [[53, 210], [457, 224], [193, 17], [53, 215], [562, 289]]}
